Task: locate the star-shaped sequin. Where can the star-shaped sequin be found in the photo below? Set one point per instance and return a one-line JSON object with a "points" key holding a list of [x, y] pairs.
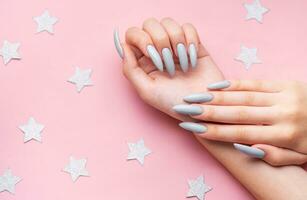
{"points": [[32, 130], [81, 78], [9, 51], [8, 181], [76, 168], [138, 151], [197, 188], [255, 11], [45, 22], [248, 56]]}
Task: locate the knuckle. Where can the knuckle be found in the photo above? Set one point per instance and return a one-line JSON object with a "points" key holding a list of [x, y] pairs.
{"points": [[166, 19], [188, 25], [149, 22], [161, 38], [241, 133], [249, 99], [292, 113], [242, 115], [209, 113], [289, 136]]}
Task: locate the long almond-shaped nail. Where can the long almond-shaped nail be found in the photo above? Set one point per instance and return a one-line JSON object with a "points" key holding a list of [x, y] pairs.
{"points": [[251, 151], [118, 47], [188, 109], [219, 85], [193, 55], [198, 98], [183, 57], [155, 57], [193, 127], [169, 61]]}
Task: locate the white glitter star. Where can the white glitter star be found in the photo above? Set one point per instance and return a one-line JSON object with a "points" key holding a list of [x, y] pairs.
{"points": [[32, 130], [45, 22], [248, 56], [8, 181], [255, 11], [138, 151], [81, 78], [197, 188], [9, 51], [76, 168]]}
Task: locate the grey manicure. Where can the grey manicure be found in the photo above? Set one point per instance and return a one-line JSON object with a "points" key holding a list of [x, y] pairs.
{"points": [[155, 57], [118, 47], [183, 57], [251, 151], [188, 109], [219, 85], [193, 55], [198, 98], [169, 61], [193, 127]]}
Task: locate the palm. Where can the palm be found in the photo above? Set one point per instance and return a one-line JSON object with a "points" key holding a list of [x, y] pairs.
{"points": [[167, 92]]}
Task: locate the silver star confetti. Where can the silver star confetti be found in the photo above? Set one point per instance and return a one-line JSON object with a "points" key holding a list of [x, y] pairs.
{"points": [[32, 130], [8, 181], [76, 168], [81, 78], [9, 51], [248, 56], [138, 151], [45, 22], [197, 188], [255, 11]]}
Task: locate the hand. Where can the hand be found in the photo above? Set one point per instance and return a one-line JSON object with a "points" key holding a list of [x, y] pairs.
{"points": [[270, 115], [155, 87]]}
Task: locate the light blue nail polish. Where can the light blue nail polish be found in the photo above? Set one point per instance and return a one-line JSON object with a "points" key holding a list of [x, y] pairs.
{"points": [[193, 55], [183, 57], [155, 57], [219, 85], [169, 61], [188, 109], [198, 98], [193, 127], [118, 46], [251, 151]]}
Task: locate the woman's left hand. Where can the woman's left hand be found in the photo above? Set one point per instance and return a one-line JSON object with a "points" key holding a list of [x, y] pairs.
{"points": [[269, 115]]}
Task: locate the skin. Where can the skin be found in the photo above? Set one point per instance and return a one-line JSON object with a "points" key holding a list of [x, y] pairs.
{"points": [[162, 92], [270, 115]]}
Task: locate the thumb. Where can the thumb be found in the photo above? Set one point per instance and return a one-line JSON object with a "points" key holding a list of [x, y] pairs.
{"points": [[277, 156]]}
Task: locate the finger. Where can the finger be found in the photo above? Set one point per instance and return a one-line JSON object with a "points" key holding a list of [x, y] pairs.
{"points": [[177, 38], [277, 156], [246, 134], [139, 79], [140, 39], [236, 114], [192, 40], [232, 98], [246, 85]]}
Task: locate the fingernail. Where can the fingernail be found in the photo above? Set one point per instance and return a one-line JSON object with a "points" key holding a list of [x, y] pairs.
{"points": [[169, 61], [198, 98], [193, 55], [219, 85], [193, 127], [188, 109], [183, 57], [251, 151], [118, 47], [155, 57]]}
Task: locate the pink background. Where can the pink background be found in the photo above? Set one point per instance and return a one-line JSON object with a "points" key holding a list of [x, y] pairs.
{"points": [[98, 122]]}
